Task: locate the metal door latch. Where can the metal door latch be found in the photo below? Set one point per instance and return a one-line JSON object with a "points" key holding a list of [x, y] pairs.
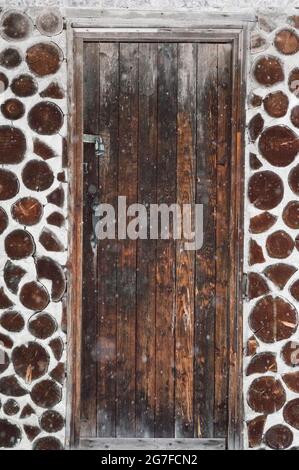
{"points": [[98, 143]]}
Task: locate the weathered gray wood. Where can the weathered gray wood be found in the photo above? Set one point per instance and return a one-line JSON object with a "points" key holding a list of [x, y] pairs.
{"points": [[152, 444], [156, 34], [75, 200], [147, 18]]}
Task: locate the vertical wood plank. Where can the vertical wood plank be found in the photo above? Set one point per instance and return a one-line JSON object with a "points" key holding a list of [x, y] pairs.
{"points": [[205, 289], [223, 240], [126, 280], [186, 165], [165, 273], [146, 249], [89, 294], [75, 236], [235, 399], [107, 249]]}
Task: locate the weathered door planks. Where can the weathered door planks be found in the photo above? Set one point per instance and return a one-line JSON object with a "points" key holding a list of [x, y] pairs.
{"points": [[205, 268], [107, 252], [157, 315], [90, 272], [165, 270], [146, 249], [185, 260], [222, 237], [126, 274]]}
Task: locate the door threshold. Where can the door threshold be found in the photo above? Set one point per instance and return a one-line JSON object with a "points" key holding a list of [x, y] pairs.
{"points": [[151, 444]]}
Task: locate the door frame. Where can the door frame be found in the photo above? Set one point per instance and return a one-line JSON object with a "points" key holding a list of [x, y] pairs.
{"points": [[89, 25]]}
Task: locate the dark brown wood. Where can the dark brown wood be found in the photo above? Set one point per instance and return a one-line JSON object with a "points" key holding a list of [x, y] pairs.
{"points": [[53, 90], [266, 395], [12, 275], [15, 25], [279, 273], [205, 265], [279, 437], [42, 325], [10, 58], [126, 276], [56, 197], [89, 298], [165, 272], [47, 268], [12, 145], [255, 429], [37, 175], [19, 244], [273, 319], [108, 109], [146, 249], [45, 118], [287, 42], [34, 296], [185, 260], [44, 58], [3, 220], [43, 150], [276, 104], [13, 109], [222, 238], [268, 71], [30, 361], [56, 218], [75, 206], [234, 280], [278, 145], [12, 321], [235, 275], [27, 211], [50, 241], [24, 85]]}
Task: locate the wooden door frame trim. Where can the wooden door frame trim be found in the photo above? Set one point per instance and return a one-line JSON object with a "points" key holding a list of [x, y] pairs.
{"points": [[237, 35]]}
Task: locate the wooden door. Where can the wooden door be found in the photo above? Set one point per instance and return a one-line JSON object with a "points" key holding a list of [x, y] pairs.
{"points": [[155, 316]]}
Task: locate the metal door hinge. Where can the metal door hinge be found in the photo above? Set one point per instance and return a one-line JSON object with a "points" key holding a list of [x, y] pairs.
{"points": [[245, 286], [98, 143]]}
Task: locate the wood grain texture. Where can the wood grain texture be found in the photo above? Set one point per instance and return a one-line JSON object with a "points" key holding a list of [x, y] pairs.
{"points": [[222, 238], [146, 249], [90, 272], [126, 277], [205, 288], [165, 272], [74, 264], [185, 260], [235, 363], [108, 117], [152, 444], [149, 117]]}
